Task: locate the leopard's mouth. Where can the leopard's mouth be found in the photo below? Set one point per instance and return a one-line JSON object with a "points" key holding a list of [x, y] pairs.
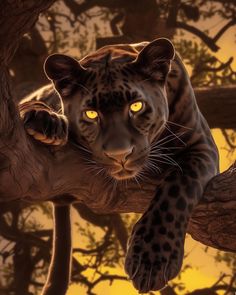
{"points": [[126, 171], [123, 173]]}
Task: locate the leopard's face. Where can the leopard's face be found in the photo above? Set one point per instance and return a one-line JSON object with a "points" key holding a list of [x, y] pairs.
{"points": [[118, 121], [115, 109]]}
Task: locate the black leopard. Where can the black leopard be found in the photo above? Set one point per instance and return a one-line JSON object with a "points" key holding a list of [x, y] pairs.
{"points": [[133, 110]]}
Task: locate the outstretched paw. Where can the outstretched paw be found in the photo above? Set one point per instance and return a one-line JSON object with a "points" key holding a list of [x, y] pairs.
{"points": [[46, 126], [153, 258]]}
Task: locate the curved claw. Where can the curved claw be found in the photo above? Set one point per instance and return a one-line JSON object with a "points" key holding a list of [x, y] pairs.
{"points": [[137, 269], [149, 280]]}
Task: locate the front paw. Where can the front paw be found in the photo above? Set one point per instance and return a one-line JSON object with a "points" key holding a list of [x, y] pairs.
{"points": [[46, 126], [154, 256]]}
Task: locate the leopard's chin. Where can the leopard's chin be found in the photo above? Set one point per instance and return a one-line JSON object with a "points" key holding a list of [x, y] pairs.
{"points": [[124, 174]]}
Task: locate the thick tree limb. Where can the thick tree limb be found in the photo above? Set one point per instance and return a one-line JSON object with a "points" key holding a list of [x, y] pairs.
{"points": [[213, 221], [218, 105], [55, 173]]}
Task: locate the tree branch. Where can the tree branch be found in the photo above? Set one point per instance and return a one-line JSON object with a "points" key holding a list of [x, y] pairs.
{"points": [[213, 221], [217, 105], [120, 230], [102, 278], [207, 40], [105, 220], [100, 248], [210, 42], [231, 23], [229, 142], [173, 9]]}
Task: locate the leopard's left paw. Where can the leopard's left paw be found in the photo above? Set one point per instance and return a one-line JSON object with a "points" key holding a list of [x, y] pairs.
{"points": [[152, 258]]}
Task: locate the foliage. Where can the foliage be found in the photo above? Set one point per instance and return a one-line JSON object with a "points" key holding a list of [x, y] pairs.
{"points": [[205, 68], [228, 258]]}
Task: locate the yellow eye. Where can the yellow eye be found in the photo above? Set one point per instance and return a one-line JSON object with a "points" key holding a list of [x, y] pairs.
{"points": [[136, 106], [91, 114]]}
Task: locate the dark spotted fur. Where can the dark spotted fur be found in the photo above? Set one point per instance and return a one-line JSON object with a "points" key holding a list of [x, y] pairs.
{"points": [[168, 139]]}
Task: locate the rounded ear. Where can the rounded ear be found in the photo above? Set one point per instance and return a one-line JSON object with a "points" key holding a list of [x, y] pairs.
{"points": [[58, 66], [65, 72], [154, 58]]}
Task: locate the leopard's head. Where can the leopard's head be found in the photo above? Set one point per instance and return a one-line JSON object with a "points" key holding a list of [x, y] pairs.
{"points": [[116, 103]]}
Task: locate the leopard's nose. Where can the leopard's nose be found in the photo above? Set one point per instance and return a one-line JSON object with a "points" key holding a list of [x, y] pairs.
{"points": [[119, 155]]}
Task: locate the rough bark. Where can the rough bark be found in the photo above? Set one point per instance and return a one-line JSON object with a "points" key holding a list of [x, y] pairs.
{"points": [[213, 221], [16, 18], [27, 64]]}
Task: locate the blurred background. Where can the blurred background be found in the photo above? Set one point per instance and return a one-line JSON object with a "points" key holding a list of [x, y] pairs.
{"points": [[204, 33]]}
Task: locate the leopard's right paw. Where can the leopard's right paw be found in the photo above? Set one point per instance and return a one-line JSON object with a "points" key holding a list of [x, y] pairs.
{"points": [[46, 126], [153, 258]]}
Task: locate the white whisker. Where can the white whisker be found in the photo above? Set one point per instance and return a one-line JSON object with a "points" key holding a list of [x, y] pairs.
{"points": [[177, 137], [81, 147], [136, 179], [161, 140], [170, 138], [179, 125]]}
